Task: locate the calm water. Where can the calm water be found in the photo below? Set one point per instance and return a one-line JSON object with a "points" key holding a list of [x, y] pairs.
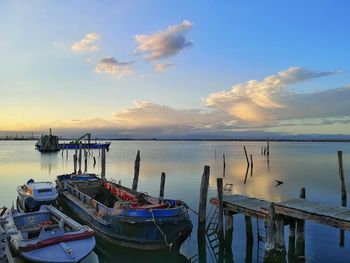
{"points": [[309, 165]]}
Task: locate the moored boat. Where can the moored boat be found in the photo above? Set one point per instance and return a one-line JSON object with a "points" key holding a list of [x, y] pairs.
{"points": [[48, 235], [32, 195], [123, 216]]}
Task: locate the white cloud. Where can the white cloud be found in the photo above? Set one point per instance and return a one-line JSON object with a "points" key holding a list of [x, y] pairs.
{"points": [[161, 67], [148, 114], [166, 43], [87, 43], [111, 66], [270, 99]]}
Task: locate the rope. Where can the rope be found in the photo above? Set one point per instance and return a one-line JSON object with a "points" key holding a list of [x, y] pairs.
{"points": [[189, 208], [161, 231]]}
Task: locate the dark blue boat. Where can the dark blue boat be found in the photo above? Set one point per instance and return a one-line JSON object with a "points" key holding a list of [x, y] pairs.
{"points": [[123, 216], [74, 145]]}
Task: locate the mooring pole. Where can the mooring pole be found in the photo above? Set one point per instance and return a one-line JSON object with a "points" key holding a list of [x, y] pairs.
{"points": [[300, 242], [136, 171], [103, 164], [79, 160], [343, 194], [75, 163], [224, 165], [220, 229], [85, 161], [246, 155], [203, 195], [161, 188], [291, 242], [270, 243], [251, 161]]}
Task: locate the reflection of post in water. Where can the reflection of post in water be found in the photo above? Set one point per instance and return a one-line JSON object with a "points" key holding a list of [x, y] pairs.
{"points": [[249, 239], [48, 161], [268, 162], [220, 228], [246, 175], [228, 237], [291, 242], [300, 242], [343, 193]]}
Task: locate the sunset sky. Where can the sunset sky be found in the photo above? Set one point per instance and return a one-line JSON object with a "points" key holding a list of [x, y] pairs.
{"points": [[165, 68]]}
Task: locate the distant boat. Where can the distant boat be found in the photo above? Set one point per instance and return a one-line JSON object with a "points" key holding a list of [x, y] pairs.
{"points": [[48, 143], [32, 195], [75, 145], [48, 235], [123, 216]]}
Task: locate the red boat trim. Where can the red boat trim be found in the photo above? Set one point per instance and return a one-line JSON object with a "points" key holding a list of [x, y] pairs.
{"points": [[49, 242]]}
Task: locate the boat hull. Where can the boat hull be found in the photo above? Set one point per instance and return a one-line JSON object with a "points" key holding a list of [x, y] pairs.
{"points": [[146, 233]]}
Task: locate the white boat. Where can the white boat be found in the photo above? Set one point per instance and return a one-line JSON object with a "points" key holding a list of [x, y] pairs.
{"points": [[34, 194]]}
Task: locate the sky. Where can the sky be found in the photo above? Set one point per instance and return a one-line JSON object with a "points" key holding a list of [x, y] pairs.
{"points": [[175, 68]]}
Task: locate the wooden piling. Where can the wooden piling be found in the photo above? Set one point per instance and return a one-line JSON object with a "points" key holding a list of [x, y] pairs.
{"points": [[136, 171], [248, 229], [103, 164], [268, 146], [220, 229], [300, 239], [251, 161], [79, 159], [343, 194], [75, 163], [94, 160], [246, 155], [203, 195], [341, 178], [85, 161], [224, 165], [270, 243], [280, 243], [291, 242], [161, 188]]}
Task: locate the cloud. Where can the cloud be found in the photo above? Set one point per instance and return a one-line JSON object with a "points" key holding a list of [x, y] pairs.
{"points": [[147, 114], [166, 43], [111, 66], [260, 102], [161, 67], [87, 43]]}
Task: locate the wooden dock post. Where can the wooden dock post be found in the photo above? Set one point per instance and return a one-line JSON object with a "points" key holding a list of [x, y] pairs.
{"points": [[94, 160], [136, 171], [343, 194], [248, 229], [224, 165], [251, 161], [75, 163], [262, 150], [161, 188], [270, 243], [246, 155], [291, 242], [280, 243], [341, 178], [220, 229], [79, 159], [85, 161], [203, 195], [300, 240], [103, 164]]}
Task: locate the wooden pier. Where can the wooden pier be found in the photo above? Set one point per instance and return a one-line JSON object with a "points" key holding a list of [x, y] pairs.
{"points": [[276, 215]]}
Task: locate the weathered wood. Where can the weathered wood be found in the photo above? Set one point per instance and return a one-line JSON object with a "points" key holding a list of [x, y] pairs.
{"points": [[161, 188], [224, 165], [280, 243], [291, 242], [85, 161], [103, 163], [220, 228], [251, 160], [75, 163], [270, 243], [94, 160], [79, 158], [341, 178], [229, 222], [136, 171], [248, 229], [246, 155], [203, 195]]}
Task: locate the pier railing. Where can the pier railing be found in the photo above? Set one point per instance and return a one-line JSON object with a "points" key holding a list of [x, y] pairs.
{"points": [[100, 209]]}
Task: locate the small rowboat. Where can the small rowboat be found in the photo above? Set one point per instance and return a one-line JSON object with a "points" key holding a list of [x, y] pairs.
{"points": [[124, 216], [48, 235]]}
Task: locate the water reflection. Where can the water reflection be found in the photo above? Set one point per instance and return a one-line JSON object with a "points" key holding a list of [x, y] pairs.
{"points": [[49, 161]]}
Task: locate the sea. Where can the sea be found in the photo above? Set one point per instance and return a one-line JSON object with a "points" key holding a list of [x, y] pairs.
{"points": [[313, 165]]}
